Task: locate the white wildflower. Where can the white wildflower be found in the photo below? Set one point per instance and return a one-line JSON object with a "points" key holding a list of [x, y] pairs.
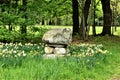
{"points": [[92, 51], [5, 50], [24, 54], [20, 44], [14, 51], [104, 52], [19, 54], [38, 47]]}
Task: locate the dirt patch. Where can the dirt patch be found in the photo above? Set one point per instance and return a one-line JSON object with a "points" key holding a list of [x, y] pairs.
{"points": [[77, 40]]}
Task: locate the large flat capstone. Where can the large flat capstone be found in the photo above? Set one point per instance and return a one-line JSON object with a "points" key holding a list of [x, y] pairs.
{"points": [[58, 36]]}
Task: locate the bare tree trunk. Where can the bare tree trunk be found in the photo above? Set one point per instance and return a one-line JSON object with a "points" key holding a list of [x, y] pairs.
{"points": [[107, 13], [94, 30], [1, 2], [7, 3], [84, 20], [66, 19], [10, 27], [116, 6], [75, 17], [43, 21], [24, 8], [58, 21]]}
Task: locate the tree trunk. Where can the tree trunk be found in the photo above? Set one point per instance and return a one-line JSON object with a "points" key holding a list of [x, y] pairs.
{"points": [[85, 12], [1, 1], [107, 14], [10, 27], [94, 29], [24, 8], [75, 17], [58, 21], [15, 4], [43, 21], [66, 19]]}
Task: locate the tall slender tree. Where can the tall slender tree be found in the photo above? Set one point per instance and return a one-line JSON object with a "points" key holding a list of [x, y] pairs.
{"points": [[107, 14], [93, 27], [23, 9], [95, 3], [85, 11], [75, 17]]}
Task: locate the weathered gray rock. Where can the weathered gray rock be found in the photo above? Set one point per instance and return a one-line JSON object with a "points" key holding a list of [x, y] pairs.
{"points": [[58, 36], [60, 51], [56, 45], [52, 56], [48, 50], [49, 56], [56, 42]]}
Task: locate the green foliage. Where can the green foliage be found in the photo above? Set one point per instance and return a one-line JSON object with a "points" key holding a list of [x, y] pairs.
{"points": [[119, 19], [7, 36], [34, 35], [13, 14], [13, 54], [51, 10], [89, 54]]}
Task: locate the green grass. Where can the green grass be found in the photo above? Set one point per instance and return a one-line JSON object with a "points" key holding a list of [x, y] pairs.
{"points": [[98, 29], [34, 67], [68, 68], [112, 44], [52, 70]]}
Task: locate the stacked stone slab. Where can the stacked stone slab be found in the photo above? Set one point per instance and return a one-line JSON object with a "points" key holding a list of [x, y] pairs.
{"points": [[56, 42]]}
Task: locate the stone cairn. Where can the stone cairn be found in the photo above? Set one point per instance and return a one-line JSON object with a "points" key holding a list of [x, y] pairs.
{"points": [[56, 42]]}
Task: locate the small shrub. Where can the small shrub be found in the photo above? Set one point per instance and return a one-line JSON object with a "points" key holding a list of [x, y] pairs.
{"points": [[7, 36]]}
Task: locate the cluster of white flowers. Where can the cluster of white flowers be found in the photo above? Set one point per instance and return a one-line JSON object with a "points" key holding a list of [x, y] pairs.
{"points": [[19, 50], [87, 49], [90, 54]]}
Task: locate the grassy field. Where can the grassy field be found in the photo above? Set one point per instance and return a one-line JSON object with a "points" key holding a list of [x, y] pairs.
{"points": [[112, 44], [98, 29], [25, 62]]}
